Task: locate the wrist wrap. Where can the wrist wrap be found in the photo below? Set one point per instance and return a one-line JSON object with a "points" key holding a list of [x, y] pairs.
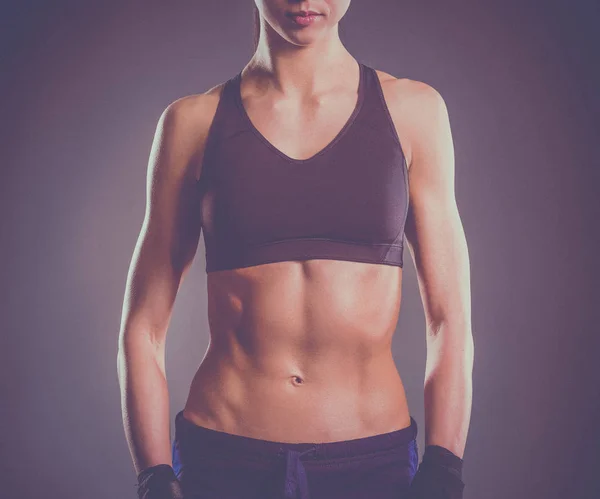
{"points": [[439, 475], [159, 482]]}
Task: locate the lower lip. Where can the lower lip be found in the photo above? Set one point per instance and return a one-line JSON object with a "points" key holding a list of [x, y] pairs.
{"points": [[304, 20]]}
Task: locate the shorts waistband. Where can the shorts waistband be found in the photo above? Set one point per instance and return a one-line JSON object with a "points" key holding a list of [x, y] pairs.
{"points": [[193, 437]]}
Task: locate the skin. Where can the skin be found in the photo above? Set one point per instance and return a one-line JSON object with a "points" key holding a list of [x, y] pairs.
{"points": [[300, 351]]}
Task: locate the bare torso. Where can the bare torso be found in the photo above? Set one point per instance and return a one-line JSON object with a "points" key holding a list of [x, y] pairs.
{"points": [[300, 351]]}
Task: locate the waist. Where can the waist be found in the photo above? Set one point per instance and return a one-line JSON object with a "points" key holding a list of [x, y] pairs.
{"points": [[331, 399], [195, 443]]}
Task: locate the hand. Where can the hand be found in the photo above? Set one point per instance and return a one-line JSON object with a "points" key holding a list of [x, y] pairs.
{"points": [[159, 482], [439, 476]]}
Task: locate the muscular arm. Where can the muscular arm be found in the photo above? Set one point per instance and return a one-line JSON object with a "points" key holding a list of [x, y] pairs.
{"points": [[164, 252], [437, 244]]}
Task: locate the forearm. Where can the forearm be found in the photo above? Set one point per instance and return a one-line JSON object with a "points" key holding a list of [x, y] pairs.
{"points": [[448, 387], [144, 403]]}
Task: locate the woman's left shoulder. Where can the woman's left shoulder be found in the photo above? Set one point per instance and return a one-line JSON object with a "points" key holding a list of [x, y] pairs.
{"points": [[416, 108], [407, 89]]}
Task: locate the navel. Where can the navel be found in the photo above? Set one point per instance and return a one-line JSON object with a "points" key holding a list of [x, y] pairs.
{"points": [[297, 381]]}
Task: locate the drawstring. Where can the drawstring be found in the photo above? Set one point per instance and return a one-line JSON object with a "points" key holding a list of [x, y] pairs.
{"points": [[282, 451], [296, 485], [308, 451]]}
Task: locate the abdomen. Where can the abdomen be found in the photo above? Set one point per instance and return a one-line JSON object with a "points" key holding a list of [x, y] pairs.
{"points": [[301, 351]]}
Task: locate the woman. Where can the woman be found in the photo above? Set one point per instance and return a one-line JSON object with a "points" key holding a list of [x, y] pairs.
{"points": [[295, 171]]}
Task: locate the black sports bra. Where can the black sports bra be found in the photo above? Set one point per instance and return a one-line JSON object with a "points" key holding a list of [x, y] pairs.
{"points": [[349, 201]]}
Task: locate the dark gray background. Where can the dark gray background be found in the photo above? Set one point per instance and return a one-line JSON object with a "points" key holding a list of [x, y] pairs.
{"points": [[82, 87]]}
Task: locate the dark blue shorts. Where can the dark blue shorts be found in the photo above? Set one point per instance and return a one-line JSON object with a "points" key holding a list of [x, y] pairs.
{"points": [[217, 465]]}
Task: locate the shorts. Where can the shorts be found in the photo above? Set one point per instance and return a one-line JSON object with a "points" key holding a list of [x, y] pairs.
{"points": [[211, 464]]}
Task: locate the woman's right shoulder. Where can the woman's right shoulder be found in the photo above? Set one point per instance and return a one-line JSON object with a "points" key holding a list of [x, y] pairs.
{"points": [[188, 118], [196, 107], [184, 124]]}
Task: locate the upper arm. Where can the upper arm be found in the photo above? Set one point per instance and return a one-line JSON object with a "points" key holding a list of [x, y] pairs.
{"points": [[170, 230], [434, 230]]}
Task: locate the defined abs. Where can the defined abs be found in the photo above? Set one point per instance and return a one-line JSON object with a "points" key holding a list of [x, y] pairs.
{"points": [[326, 401]]}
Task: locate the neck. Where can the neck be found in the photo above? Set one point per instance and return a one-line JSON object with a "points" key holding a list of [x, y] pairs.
{"points": [[295, 70]]}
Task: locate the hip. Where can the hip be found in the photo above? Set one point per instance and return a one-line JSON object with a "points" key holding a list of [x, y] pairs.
{"points": [[211, 463]]}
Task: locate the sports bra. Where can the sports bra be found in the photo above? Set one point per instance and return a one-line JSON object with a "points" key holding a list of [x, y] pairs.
{"points": [[348, 202]]}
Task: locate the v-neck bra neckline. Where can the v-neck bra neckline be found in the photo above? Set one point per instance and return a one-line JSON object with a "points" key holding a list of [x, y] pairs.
{"points": [[236, 88]]}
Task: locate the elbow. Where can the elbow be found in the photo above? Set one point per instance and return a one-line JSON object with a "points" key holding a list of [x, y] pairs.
{"points": [[453, 339], [137, 351], [458, 327]]}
